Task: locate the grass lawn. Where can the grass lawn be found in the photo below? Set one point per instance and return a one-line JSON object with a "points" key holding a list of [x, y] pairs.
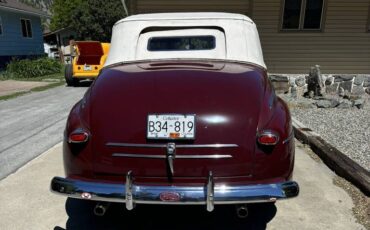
{"points": [[51, 77]]}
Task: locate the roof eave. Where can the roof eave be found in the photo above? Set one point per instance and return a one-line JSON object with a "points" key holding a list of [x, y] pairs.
{"points": [[25, 11]]}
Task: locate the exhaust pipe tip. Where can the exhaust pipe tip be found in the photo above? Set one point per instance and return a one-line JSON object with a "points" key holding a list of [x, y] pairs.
{"points": [[242, 211], [101, 208]]}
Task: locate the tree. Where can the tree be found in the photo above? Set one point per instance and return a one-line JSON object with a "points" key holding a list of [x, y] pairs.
{"points": [[91, 19], [62, 11]]}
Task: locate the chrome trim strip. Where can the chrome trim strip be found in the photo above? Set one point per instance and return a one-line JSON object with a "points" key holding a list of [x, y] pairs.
{"points": [[113, 144], [215, 156], [190, 195], [208, 146], [152, 156], [131, 155]]}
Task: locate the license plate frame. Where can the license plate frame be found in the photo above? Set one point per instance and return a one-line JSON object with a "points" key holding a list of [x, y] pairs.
{"points": [[187, 117]]}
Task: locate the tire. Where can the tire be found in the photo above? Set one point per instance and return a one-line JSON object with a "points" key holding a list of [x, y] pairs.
{"points": [[68, 75]]}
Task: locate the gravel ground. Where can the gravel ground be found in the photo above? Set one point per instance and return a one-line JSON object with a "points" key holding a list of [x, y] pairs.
{"points": [[346, 129]]}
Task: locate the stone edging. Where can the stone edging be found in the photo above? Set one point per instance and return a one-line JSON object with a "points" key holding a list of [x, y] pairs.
{"points": [[333, 158]]}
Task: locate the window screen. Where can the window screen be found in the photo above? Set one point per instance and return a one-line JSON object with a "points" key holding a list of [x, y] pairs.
{"points": [[181, 43], [26, 28], [312, 16], [292, 14], [368, 21], [302, 14], [1, 27]]}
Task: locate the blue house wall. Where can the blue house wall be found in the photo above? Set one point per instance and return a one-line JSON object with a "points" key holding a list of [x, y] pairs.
{"points": [[12, 42]]}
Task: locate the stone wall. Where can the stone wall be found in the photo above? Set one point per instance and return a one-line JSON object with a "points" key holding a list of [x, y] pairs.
{"points": [[327, 90], [334, 83]]}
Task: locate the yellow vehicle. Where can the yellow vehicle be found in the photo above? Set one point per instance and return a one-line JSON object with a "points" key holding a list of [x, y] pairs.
{"points": [[89, 58]]}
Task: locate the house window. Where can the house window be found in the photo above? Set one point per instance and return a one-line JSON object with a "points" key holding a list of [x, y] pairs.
{"points": [[26, 28], [1, 27], [302, 14], [368, 22]]}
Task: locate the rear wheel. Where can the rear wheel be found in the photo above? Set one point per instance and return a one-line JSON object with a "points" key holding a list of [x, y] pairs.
{"points": [[68, 74]]}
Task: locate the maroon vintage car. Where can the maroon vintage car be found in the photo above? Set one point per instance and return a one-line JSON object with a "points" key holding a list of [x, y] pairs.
{"points": [[182, 113]]}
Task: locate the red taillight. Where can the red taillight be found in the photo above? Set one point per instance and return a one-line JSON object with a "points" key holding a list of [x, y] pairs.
{"points": [[78, 136], [268, 138]]}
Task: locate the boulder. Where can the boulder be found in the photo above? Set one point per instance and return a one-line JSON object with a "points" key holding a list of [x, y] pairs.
{"points": [[359, 103], [345, 104], [304, 89], [291, 81], [315, 81], [300, 81], [347, 95], [310, 94], [300, 91], [359, 80], [358, 90], [340, 91], [327, 103], [346, 85], [293, 92], [329, 80], [340, 78], [281, 87], [332, 89], [367, 90], [278, 78]]}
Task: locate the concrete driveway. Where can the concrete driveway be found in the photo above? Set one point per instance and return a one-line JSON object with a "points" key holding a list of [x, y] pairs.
{"points": [[33, 123], [26, 203]]}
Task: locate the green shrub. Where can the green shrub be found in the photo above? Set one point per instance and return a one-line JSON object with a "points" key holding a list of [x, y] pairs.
{"points": [[28, 68]]}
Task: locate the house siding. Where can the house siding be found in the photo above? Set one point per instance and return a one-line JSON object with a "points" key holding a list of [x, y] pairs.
{"points": [[343, 45], [150, 6], [12, 43]]}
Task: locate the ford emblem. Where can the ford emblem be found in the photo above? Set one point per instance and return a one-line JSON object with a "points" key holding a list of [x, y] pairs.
{"points": [[170, 196]]}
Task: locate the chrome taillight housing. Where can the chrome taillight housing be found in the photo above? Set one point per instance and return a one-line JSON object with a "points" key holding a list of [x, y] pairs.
{"points": [[268, 137], [78, 136]]}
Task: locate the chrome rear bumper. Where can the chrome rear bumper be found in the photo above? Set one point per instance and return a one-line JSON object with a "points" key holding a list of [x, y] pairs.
{"points": [[208, 195]]}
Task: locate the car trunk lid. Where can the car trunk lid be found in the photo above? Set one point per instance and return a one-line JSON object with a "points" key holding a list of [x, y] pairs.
{"points": [[226, 103]]}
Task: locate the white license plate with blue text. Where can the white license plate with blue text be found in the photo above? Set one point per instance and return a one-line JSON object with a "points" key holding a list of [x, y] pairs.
{"points": [[171, 126], [87, 68]]}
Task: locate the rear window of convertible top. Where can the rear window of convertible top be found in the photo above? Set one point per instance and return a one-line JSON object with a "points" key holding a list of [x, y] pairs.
{"points": [[182, 43]]}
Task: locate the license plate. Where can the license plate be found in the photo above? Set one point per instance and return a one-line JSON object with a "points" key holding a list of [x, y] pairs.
{"points": [[87, 68], [171, 126]]}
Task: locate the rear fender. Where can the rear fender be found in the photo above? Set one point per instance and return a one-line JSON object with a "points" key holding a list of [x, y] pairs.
{"points": [[78, 158], [276, 161]]}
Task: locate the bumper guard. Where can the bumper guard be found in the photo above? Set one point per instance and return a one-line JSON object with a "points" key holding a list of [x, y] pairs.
{"points": [[208, 195]]}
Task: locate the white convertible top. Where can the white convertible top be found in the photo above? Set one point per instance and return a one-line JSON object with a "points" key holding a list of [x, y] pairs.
{"points": [[238, 33]]}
